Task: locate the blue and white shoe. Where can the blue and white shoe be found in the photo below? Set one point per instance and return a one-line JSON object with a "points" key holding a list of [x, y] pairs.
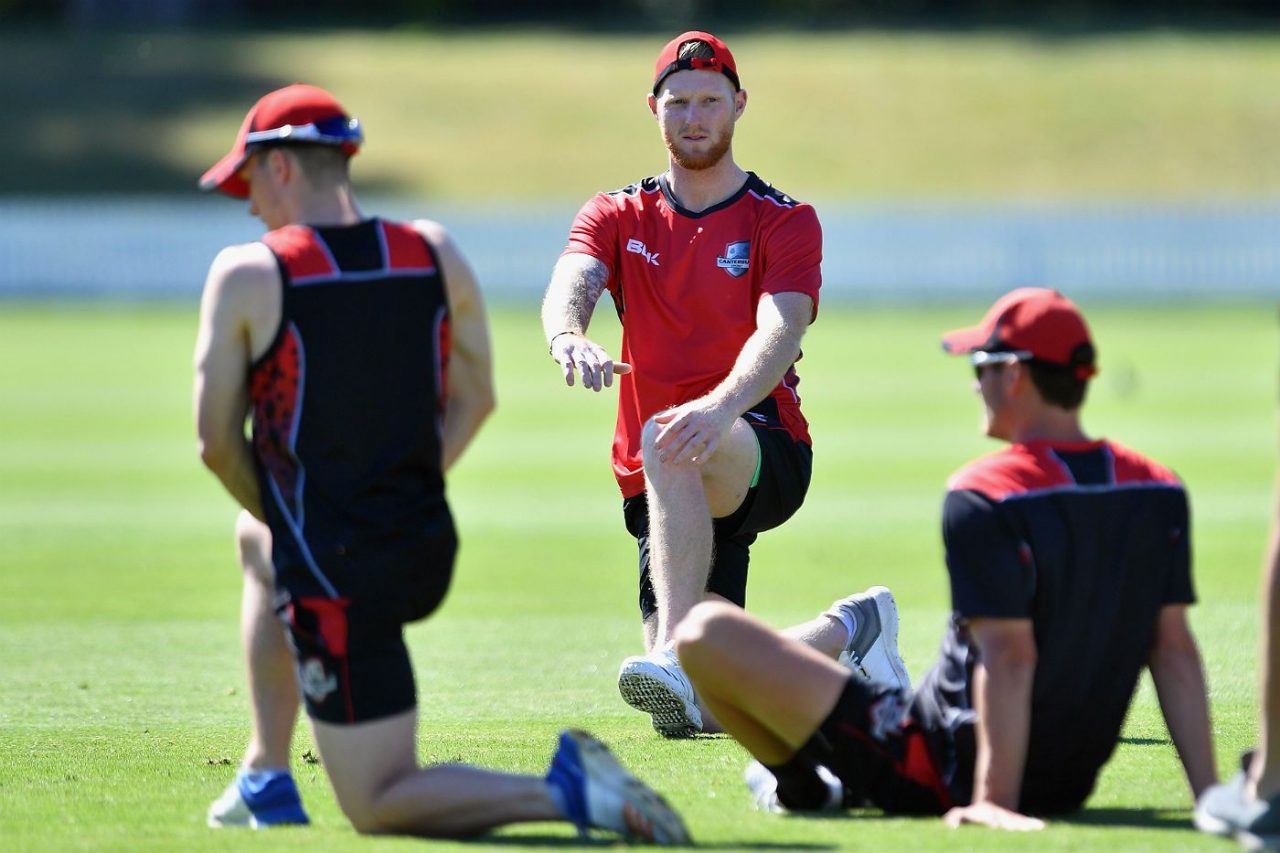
{"points": [[258, 799], [597, 792]]}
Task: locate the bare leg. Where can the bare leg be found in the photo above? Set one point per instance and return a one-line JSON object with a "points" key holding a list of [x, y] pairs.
{"points": [[769, 691], [1264, 772], [379, 785], [824, 634], [683, 498], [273, 687]]}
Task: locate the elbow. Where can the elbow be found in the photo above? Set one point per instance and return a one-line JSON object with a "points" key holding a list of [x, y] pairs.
{"points": [[487, 403], [214, 454]]}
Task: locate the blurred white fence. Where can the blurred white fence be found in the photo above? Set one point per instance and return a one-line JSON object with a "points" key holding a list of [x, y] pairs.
{"points": [[161, 247]]}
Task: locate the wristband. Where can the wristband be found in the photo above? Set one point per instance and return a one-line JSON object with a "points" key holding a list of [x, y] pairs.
{"points": [[551, 342]]}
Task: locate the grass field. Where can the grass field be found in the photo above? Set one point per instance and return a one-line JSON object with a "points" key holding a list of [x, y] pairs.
{"points": [[529, 115], [122, 697]]}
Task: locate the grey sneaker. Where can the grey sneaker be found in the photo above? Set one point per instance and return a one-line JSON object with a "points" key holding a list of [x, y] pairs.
{"points": [[872, 651], [656, 684], [1224, 810], [763, 786], [598, 792]]}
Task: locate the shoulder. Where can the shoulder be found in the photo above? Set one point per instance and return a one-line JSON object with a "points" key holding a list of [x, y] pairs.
{"points": [[244, 266], [762, 190], [459, 278], [1005, 472], [1134, 468], [783, 212], [644, 186], [441, 242], [433, 232], [624, 197]]}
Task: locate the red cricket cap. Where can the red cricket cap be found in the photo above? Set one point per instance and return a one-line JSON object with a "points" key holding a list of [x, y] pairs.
{"points": [[1037, 321], [669, 61], [297, 113]]}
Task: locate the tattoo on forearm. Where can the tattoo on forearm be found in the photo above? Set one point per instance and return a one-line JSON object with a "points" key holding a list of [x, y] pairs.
{"points": [[582, 280]]}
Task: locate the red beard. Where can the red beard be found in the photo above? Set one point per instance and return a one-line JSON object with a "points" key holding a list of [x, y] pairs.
{"points": [[704, 160]]}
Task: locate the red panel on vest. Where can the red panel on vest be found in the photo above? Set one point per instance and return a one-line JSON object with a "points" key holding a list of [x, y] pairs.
{"points": [[406, 249], [301, 253]]}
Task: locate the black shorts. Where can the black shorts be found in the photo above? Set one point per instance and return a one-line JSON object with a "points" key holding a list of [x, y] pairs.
{"points": [[352, 662], [786, 466], [885, 754]]}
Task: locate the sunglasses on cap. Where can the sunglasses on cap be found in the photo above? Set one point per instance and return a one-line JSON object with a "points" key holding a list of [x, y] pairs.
{"points": [[981, 359], [338, 130]]}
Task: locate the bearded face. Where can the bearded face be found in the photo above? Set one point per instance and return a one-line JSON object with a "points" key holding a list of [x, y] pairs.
{"points": [[696, 112]]}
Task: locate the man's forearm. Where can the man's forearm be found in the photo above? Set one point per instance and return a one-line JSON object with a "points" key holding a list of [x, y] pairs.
{"points": [[1003, 699], [764, 360], [576, 286], [1180, 686], [233, 466], [462, 420]]}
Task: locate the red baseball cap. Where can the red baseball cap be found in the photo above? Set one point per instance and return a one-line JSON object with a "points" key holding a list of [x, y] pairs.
{"points": [[1036, 322], [669, 61], [297, 113]]}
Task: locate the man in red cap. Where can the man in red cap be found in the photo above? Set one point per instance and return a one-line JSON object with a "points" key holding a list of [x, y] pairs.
{"points": [[1069, 561], [359, 348], [715, 276]]}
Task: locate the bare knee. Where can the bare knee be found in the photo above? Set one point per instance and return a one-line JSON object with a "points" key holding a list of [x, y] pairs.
{"points": [[657, 470], [369, 816], [705, 636], [253, 548], [649, 444]]}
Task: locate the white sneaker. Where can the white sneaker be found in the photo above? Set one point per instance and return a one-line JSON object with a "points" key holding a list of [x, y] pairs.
{"points": [[598, 792], [656, 684], [872, 651], [764, 789]]}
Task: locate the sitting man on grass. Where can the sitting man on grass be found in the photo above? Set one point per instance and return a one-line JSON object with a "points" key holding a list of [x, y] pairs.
{"points": [[1069, 560]]}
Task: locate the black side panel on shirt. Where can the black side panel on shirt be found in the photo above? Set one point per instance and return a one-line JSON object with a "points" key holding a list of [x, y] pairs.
{"points": [[1091, 567]]}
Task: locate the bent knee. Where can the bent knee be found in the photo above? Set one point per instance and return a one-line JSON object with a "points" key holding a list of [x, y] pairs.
{"points": [[370, 816], [706, 632], [649, 443]]}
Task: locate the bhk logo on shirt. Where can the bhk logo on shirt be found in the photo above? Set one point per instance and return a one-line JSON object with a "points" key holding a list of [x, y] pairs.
{"points": [[636, 247], [736, 259]]}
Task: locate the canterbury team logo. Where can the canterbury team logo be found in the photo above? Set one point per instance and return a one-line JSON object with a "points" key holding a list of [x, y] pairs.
{"points": [[736, 259], [315, 682]]}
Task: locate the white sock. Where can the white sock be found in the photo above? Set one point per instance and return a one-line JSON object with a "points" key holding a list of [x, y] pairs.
{"points": [[850, 623]]}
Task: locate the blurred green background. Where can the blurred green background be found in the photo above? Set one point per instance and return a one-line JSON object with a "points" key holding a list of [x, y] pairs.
{"points": [[124, 703], [490, 100]]}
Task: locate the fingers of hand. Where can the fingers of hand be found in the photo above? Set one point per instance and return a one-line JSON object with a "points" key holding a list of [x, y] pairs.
{"points": [[590, 372]]}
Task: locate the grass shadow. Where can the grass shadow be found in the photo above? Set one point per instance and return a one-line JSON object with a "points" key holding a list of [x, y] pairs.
{"points": [[1138, 818], [516, 840]]}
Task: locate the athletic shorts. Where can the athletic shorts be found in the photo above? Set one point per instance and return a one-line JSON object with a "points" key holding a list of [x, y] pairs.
{"points": [[883, 754], [352, 662], [786, 466]]}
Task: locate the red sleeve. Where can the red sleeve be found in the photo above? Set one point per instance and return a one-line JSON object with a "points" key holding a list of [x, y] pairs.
{"points": [[595, 232], [793, 255]]}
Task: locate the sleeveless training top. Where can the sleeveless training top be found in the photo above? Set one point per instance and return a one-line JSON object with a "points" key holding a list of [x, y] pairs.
{"points": [[348, 399]]}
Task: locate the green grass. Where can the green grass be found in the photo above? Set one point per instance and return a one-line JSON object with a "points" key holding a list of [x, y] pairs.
{"points": [[122, 698], [529, 115]]}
